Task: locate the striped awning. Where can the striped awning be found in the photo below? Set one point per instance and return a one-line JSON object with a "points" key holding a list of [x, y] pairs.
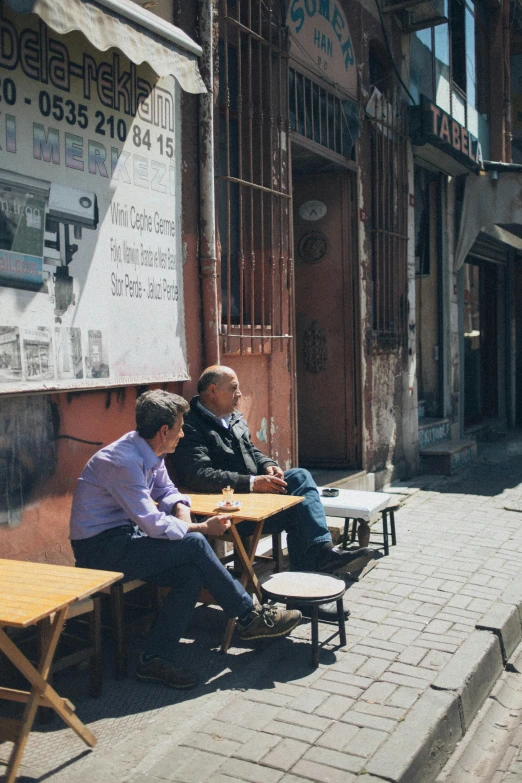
{"points": [[140, 35]]}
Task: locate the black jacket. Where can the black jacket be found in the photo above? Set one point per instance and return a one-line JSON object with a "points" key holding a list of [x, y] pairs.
{"points": [[211, 457]]}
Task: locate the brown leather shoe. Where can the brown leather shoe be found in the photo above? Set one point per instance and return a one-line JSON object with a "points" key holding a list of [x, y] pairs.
{"points": [[165, 672]]}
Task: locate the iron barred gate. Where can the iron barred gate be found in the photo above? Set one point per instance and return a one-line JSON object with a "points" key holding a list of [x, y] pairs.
{"points": [[253, 180]]}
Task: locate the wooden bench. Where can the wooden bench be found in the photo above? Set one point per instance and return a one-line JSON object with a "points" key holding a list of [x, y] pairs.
{"points": [[369, 507]]}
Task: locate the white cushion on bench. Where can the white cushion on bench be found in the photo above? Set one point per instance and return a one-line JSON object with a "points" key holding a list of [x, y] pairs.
{"points": [[355, 504]]}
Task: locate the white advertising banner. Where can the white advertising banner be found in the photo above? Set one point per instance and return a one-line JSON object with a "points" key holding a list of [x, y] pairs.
{"points": [[91, 287]]}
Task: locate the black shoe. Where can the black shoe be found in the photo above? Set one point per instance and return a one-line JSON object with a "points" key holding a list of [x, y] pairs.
{"points": [[167, 673], [326, 612], [350, 559]]}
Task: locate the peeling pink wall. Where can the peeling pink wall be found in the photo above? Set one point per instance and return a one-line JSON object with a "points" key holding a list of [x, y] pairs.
{"points": [[43, 530]]}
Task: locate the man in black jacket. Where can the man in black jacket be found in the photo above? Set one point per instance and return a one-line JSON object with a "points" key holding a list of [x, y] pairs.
{"points": [[217, 451]]}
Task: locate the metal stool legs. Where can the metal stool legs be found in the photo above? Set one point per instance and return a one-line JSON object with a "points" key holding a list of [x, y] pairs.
{"points": [[346, 531], [277, 552], [315, 629], [391, 512], [340, 619], [385, 533], [315, 635]]}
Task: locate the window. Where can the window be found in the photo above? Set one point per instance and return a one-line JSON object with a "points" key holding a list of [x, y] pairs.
{"points": [[458, 44], [427, 195], [252, 183], [389, 218], [327, 119], [421, 64], [448, 63], [442, 67]]}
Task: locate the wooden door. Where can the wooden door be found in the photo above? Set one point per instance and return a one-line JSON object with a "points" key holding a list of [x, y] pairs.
{"points": [[326, 319]]}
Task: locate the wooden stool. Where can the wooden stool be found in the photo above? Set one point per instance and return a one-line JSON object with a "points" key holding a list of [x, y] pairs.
{"points": [[311, 590]]}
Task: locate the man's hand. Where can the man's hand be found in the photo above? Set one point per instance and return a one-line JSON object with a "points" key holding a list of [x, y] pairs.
{"points": [[275, 470], [213, 526], [271, 484]]}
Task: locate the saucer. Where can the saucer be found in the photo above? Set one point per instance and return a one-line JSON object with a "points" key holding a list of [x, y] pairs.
{"points": [[229, 506]]}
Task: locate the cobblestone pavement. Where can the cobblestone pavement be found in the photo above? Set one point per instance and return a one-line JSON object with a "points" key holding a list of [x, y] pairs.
{"points": [[266, 716]]}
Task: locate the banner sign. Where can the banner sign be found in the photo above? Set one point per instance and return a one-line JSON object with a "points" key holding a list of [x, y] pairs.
{"points": [[91, 287], [320, 40], [429, 124]]}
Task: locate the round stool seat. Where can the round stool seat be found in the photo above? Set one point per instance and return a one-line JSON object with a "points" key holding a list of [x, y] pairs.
{"points": [[312, 590], [304, 587]]}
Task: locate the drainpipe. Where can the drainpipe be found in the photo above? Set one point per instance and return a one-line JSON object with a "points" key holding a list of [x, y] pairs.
{"points": [[507, 80], [207, 206]]}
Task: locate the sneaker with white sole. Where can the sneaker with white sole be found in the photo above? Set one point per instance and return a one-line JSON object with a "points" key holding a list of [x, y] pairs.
{"points": [[268, 622]]}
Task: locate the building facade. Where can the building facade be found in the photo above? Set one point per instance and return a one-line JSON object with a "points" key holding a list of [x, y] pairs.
{"points": [[297, 221], [465, 312]]}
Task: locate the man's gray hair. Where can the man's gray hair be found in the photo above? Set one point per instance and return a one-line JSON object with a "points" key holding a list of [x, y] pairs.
{"points": [[156, 408]]}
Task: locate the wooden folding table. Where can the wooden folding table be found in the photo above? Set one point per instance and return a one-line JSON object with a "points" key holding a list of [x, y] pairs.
{"points": [[30, 593], [255, 507]]}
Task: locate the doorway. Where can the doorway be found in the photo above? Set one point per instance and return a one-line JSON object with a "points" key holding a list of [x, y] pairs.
{"points": [[480, 342], [326, 307], [428, 293]]}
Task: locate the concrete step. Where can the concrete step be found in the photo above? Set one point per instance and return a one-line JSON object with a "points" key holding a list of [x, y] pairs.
{"points": [[448, 456], [433, 431], [421, 409]]}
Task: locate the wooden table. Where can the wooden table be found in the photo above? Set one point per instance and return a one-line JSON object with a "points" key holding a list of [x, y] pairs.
{"points": [[30, 593], [255, 507]]}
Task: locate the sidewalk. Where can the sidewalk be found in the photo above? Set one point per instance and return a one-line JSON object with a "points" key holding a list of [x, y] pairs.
{"points": [[266, 717]]}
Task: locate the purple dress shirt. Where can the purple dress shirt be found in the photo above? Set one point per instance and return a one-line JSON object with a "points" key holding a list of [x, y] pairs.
{"points": [[126, 482]]}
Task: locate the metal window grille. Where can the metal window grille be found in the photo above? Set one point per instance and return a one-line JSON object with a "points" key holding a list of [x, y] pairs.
{"points": [[253, 179], [389, 220], [321, 116]]}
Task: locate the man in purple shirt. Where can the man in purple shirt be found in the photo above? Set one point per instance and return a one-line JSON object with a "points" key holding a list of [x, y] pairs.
{"points": [[128, 516]]}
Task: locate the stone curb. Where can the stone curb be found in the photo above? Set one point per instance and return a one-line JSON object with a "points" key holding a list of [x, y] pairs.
{"points": [[472, 673], [503, 619], [513, 593], [421, 745]]}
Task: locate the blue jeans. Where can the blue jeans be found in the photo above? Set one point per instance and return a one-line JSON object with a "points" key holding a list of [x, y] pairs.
{"points": [[186, 566], [305, 524]]}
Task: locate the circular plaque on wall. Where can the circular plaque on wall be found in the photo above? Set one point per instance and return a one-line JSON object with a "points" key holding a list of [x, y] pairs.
{"points": [[313, 247], [312, 210]]}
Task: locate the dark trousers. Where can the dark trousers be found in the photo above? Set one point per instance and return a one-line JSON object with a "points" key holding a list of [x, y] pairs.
{"points": [[305, 524], [186, 566]]}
